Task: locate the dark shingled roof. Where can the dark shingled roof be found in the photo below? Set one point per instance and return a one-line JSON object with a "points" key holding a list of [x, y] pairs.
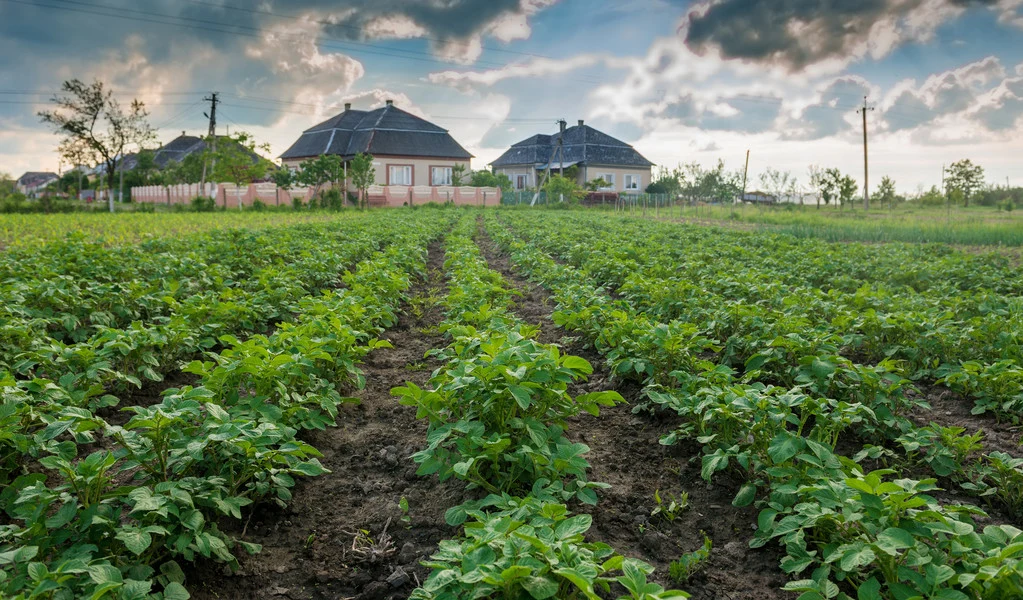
{"points": [[582, 144], [384, 131], [36, 178]]}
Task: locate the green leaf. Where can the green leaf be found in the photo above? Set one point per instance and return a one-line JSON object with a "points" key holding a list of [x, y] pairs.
{"points": [[784, 446], [135, 539], [577, 363], [576, 525], [175, 591], [747, 493], [869, 590], [521, 395], [312, 468], [893, 539], [856, 556], [540, 588]]}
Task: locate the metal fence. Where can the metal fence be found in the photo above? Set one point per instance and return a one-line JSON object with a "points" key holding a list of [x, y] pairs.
{"points": [[610, 201]]}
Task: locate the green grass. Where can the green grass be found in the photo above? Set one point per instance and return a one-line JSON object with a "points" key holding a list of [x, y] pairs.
{"points": [[974, 226]]}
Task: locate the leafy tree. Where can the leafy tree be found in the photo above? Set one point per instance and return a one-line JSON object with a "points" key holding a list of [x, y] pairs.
{"points": [[847, 188], [315, 172], [667, 181], [96, 126], [965, 177], [488, 179], [458, 172], [362, 174], [828, 183], [235, 160], [886, 191], [285, 179], [817, 182], [563, 188]]}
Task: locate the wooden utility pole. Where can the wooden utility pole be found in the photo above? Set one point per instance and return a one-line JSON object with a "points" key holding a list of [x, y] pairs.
{"points": [[745, 171], [212, 134], [866, 185]]}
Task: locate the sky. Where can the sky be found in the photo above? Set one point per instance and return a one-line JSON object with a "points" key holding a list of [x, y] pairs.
{"points": [[681, 81]]}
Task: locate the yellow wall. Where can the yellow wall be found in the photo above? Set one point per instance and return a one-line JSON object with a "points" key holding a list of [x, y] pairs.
{"points": [[587, 173], [420, 167]]}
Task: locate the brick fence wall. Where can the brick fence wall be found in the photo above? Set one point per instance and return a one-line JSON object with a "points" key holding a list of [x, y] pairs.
{"points": [[229, 195]]}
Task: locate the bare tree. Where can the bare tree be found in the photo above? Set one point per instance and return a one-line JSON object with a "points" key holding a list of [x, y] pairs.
{"points": [[88, 115], [775, 182]]}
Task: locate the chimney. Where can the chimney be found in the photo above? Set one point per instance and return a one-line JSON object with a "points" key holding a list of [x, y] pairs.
{"points": [[182, 133], [580, 122], [561, 125], [348, 106], [390, 103]]}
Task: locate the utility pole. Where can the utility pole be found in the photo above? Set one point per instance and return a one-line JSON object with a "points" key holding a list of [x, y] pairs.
{"points": [[866, 184], [213, 99], [745, 170]]}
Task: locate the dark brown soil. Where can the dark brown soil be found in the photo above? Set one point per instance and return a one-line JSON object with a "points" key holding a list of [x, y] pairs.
{"points": [[625, 452], [950, 409], [308, 547]]}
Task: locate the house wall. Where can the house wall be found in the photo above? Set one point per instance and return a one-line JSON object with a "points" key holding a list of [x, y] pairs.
{"points": [[511, 172], [586, 173], [420, 166], [591, 172]]}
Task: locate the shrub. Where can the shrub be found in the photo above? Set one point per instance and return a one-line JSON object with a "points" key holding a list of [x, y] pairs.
{"points": [[204, 204], [258, 205]]}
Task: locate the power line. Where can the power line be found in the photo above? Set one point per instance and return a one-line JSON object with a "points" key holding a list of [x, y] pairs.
{"points": [[217, 27]]}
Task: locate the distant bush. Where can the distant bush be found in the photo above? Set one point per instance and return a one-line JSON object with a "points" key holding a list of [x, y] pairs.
{"points": [[258, 205], [297, 203], [204, 204]]}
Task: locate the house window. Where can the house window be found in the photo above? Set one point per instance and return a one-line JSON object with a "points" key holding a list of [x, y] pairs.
{"points": [[440, 175], [609, 178], [521, 182], [399, 175], [632, 182]]}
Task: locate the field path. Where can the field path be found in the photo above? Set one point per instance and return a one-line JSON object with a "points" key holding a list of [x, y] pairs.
{"points": [[314, 549]]}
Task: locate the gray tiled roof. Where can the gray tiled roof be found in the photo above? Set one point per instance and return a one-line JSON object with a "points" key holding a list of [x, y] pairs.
{"points": [[384, 131], [177, 150], [582, 144]]}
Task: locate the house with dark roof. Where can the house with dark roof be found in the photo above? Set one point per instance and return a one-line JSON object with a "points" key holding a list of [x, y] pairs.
{"points": [[595, 154], [177, 150], [406, 149], [33, 182]]}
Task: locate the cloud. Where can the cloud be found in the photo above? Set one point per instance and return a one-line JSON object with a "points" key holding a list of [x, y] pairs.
{"points": [[455, 28], [816, 33], [532, 68], [831, 113], [947, 93], [1002, 109]]}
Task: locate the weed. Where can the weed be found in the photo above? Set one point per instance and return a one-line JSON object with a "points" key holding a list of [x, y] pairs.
{"points": [[690, 563], [669, 507]]}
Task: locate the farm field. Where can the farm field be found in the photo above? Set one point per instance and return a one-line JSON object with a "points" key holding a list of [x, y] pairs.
{"points": [[447, 404], [974, 226]]}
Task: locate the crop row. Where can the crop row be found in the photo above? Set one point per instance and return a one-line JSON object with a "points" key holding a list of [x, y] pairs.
{"points": [[873, 398], [925, 313], [497, 412], [849, 532], [107, 510]]}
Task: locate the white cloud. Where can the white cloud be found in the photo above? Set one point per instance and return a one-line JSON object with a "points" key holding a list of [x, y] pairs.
{"points": [[535, 67]]}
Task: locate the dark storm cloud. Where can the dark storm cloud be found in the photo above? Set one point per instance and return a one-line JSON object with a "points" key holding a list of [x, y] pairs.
{"points": [[794, 33], [47, 44]]}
